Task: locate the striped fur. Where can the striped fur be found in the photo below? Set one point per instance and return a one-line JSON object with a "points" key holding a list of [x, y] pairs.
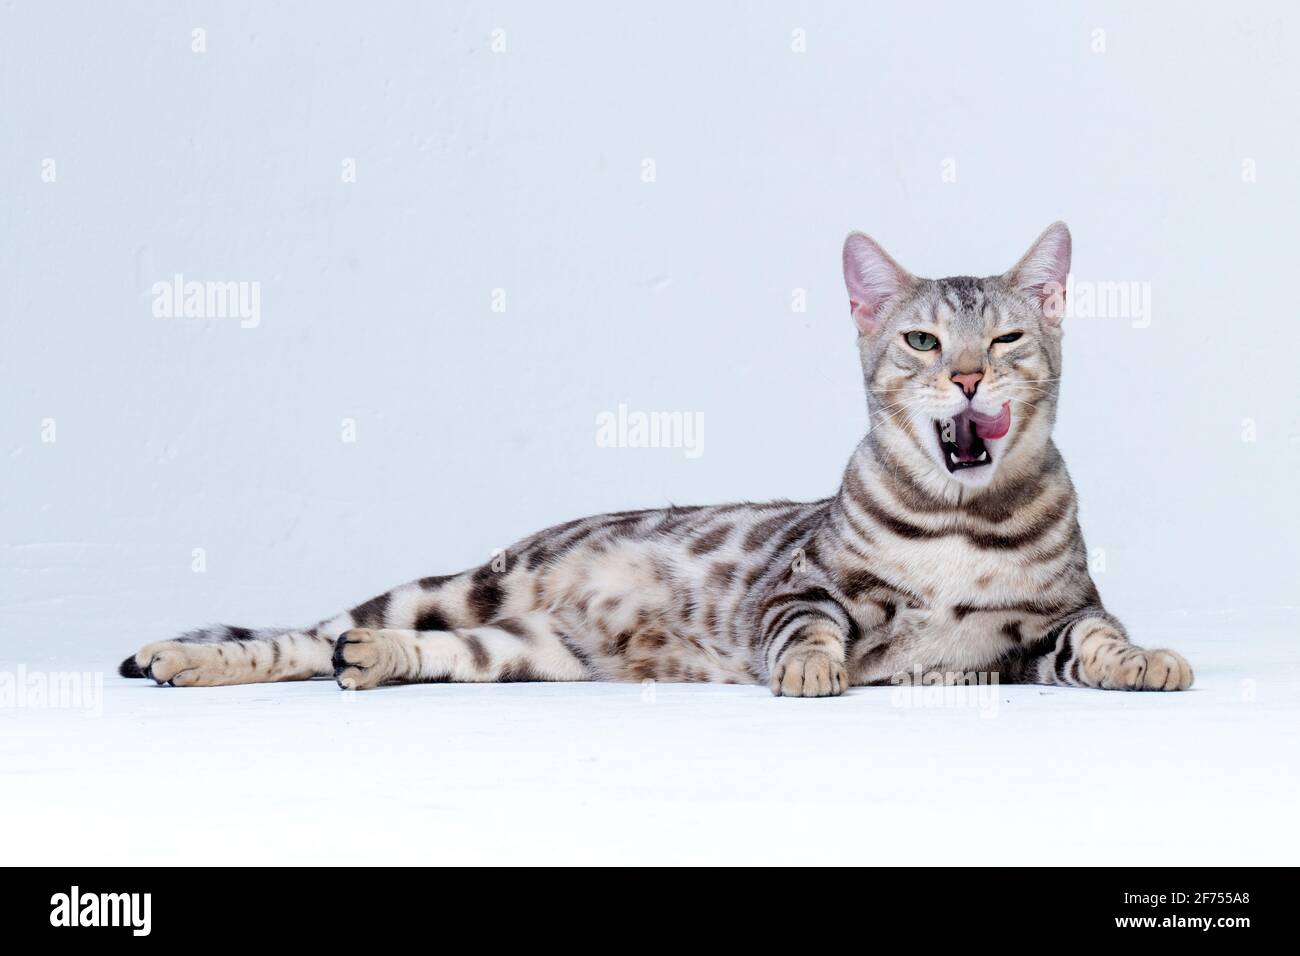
{"points": [[909, 568]]}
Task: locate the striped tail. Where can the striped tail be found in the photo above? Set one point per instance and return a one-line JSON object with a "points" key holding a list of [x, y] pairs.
{"points": [[244, 643]]}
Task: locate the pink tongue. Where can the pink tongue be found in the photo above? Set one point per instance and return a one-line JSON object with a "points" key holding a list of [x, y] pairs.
{"points": [[992, 426]]}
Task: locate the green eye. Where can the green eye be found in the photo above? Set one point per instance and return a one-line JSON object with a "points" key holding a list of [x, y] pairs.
{"points": [[921, 341], [1009, 337]]}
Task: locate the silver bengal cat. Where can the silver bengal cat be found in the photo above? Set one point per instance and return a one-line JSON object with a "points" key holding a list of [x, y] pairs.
{"points": [[952, 546]]}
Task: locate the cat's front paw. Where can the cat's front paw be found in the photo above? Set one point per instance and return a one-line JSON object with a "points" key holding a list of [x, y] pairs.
{"points": [[365, 658], [809, 674], [1126, 667]]}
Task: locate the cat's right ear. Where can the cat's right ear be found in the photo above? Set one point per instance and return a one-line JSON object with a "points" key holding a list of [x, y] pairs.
{"points": [[1043, 271], [873, 280]]}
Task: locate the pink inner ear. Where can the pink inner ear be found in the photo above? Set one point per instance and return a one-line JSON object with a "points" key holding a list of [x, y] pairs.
{"points": [[872, 279], [1044, 269], [865, 318]]}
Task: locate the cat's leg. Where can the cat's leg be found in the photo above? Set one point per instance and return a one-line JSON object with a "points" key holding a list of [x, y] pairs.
{"points": [[234, 655], [530, 647], [1091, 649], [223, 654], [803, 643]]}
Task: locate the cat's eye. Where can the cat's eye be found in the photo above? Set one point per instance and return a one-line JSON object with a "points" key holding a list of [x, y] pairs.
{"points": [[921, 341], [1009, 337]]}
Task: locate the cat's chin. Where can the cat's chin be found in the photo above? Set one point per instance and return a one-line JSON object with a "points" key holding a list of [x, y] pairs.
{"points": [[981, 476]]}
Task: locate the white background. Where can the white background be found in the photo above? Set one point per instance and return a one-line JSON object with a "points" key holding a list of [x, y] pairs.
{"points": [[522, 171]]}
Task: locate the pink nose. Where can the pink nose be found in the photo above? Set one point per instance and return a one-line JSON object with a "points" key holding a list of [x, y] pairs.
{"points": [[969, 381]]}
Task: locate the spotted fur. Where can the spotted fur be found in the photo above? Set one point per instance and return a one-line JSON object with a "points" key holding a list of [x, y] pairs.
{"points": [[911, 568]]}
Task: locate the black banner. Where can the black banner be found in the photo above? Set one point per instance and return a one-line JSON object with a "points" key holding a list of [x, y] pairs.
{"points": [[137, 906]]}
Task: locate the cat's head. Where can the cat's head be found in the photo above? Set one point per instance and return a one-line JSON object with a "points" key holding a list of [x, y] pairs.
{"points": [[962, 373]]}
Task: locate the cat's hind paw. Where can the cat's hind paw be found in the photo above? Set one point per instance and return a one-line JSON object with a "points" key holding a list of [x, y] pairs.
{"points": [[365, 658]]}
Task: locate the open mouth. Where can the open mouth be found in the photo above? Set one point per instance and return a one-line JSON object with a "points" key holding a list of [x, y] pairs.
{"points": [[962, 437]]}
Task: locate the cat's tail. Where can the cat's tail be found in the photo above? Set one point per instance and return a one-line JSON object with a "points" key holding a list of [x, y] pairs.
{"points": [[129, 668], [213, 634]]}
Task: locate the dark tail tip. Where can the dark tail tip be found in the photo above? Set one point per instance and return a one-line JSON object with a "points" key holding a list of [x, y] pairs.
{"points": [[128, 668]]}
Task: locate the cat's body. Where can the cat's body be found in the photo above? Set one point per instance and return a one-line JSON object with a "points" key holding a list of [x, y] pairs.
{"points": [[952, 549]]}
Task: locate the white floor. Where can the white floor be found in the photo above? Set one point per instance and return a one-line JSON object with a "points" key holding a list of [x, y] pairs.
{"points": [[571, 773]]}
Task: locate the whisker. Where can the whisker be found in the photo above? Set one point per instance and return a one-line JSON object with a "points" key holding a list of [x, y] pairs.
{"points": [[892, 416], [901, 401], [904, 401], [1041, 391], [887, 413]]}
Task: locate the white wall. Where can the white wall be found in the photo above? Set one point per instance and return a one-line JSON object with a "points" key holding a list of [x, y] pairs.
{"points": [[522, 170]]}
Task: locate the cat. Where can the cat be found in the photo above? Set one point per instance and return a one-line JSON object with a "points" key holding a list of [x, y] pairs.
{"points": [[951, 548]]}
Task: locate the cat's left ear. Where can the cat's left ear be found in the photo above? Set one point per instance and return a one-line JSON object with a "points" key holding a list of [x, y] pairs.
{"points": [[1042, 271]]}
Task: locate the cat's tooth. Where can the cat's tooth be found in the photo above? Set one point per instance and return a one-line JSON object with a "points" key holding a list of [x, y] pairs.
{"points": [[953, 456], [983, 456]]}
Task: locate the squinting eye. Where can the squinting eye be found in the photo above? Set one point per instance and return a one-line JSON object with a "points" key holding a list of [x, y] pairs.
{"points": [[921, 341], [1009, 337]]}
